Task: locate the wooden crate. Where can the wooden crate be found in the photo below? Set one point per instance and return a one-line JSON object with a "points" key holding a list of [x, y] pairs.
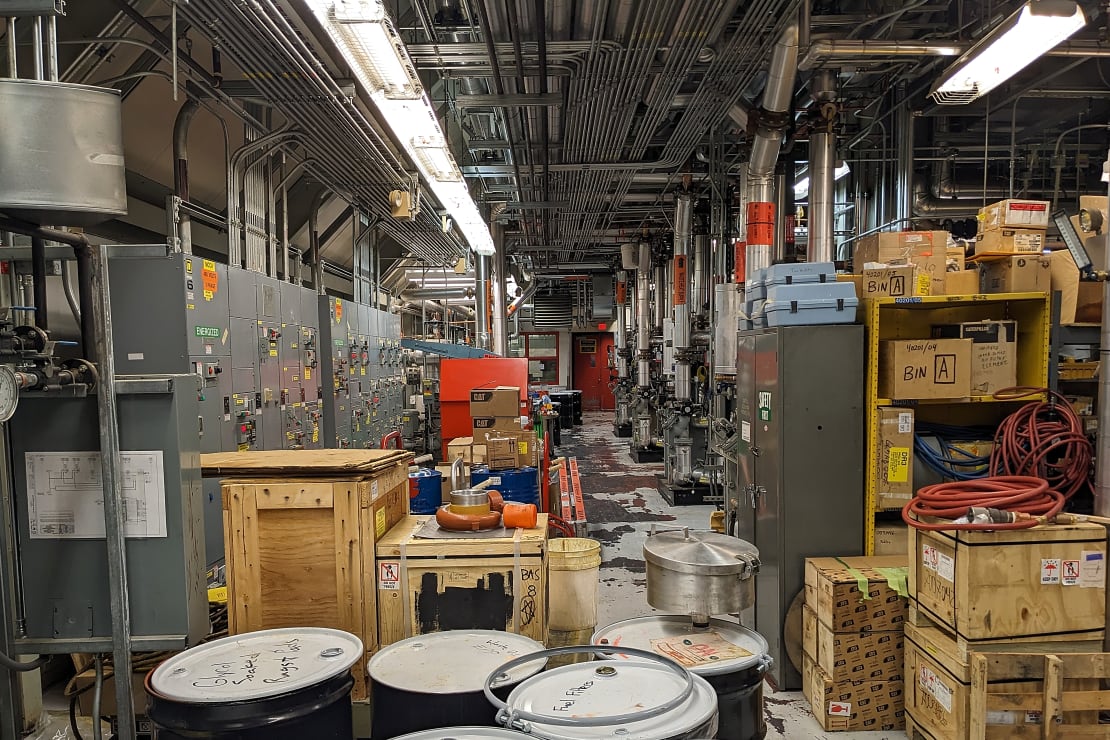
{"points": [[988, 585], [939, 678], [300, 553], [429, 585], [1062, 691]]}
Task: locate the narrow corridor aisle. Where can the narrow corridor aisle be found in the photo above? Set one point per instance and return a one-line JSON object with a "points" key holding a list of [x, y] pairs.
{"points": [[622, 504]]}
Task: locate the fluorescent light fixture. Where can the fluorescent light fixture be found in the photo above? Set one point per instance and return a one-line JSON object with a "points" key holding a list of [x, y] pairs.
{"points": [[801, 188], [1036, 28], [365, 35]]}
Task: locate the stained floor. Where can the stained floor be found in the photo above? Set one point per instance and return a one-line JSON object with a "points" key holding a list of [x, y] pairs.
{"points": [[622, 504]]}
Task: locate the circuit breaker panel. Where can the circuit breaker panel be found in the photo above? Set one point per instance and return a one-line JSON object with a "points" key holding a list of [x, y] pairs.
{"points": [[280, 366]]}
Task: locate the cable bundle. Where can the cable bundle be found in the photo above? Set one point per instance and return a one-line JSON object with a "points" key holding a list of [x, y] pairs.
{"points": [[950, 460], [1044, 439]]}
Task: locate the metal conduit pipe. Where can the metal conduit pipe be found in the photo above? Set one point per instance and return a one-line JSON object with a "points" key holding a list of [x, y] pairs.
{"points": [[38, 278], [904, 203], [500, 338], [312, 256], [768, 139], [481, 293], [643, 317], [926, 205], [234, 181], [435, 294], [662, 299], [701, 278], [822, 164], [840, 50], [181, 170]]}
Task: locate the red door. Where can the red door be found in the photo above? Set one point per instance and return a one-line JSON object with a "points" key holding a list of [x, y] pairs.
{"points": [[591, 370]]}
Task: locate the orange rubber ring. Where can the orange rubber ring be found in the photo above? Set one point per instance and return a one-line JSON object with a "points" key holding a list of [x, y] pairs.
{"points": [[466, 522]]}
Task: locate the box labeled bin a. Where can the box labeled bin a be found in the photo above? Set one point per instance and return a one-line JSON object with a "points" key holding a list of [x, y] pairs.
{"points": [[911, 369], [926, 249], [993, 352], [896, 282]]}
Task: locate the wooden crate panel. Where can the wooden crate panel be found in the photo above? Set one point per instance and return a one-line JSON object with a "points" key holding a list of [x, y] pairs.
{"points": [[939, 691], [274, 463], [987, 585], [300, 553]]}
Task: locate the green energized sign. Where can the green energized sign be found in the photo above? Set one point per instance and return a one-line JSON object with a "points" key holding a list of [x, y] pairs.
{"points": [[212, 332]]}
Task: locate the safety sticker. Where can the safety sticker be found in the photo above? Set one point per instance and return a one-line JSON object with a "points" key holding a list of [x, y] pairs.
{"points": [[389, 576], [939, 690], [1092, 572], [929, 557], [946, 567], [1069, 574], [840, 709], [746, 431], [1050, 571]]}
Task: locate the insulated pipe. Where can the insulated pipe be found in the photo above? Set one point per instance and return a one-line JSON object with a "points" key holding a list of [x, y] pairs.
{"points": [[481, 292], [822, 165], [662, 298], [683, 225], [38, 277], [181, 170], [643, 317], [434, 294], [698, 294], [904, 133], [768, 138], [500, 338]]}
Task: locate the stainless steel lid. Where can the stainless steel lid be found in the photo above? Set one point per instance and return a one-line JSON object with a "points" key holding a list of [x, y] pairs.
{"points": [[592, 691], [455, 662], [465, 733], [701, 553], [256, 665], [722, 647]]}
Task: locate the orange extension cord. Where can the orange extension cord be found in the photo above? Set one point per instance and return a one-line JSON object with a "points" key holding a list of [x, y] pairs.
{"points": [[1041, 458]]}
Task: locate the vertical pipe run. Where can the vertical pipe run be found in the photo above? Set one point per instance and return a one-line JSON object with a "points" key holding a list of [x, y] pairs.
{"points": [[904, 133], [112, 477], [52, 48], [181, 170], [13, 56], [36, 52], [822, 167], [643, 317], [662, 298], [481, 301], [784, 184], [699, 293], [500, 339], [38, 277]]}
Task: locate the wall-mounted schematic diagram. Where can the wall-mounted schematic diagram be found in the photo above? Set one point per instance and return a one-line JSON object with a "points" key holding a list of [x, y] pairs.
{"points": [[66, 495]]}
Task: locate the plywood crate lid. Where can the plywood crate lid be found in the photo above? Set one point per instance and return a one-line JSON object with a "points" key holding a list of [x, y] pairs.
{"points": [[305, 463], [530, 542], [1078, 532]]}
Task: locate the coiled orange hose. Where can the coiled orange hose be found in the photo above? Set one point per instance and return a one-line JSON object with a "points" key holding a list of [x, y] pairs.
{"points": [[1013, 493]]}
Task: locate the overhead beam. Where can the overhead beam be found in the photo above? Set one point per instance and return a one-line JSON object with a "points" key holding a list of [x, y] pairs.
{"points": [[515, 100]]}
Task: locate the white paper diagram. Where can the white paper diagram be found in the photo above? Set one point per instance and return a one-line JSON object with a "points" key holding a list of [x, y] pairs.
{"points": [[65, 495]]}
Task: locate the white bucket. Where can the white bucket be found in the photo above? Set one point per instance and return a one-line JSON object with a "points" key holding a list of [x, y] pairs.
{"points": [[573, 564]]}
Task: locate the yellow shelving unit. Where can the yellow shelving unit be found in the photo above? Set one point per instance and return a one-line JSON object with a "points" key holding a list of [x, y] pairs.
{"points": [[913, 318]]}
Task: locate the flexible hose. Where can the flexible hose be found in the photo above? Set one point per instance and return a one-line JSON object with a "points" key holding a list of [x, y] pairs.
{"points": [[1010, 493], [1044, 439], [14, 665]]}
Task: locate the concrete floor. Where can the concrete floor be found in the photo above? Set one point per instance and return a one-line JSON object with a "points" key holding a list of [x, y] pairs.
{"points": [[622, 503]]}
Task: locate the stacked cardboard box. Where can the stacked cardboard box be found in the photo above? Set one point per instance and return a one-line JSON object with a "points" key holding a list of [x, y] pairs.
{"points": [[499, 426], [993, 352], [1012, 226], [927, 250], [852, 673]]}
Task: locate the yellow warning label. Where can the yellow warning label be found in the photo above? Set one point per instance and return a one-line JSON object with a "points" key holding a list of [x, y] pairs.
{"points": [[307, 374], [315, 434], [363, 371], [243, 447], [217, 595], [379, 522], [522, 447], [273, 353], [898, 465]]}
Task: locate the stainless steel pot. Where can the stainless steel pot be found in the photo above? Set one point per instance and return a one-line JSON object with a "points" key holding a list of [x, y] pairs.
{"points": [[470, 497], [700, 573]]}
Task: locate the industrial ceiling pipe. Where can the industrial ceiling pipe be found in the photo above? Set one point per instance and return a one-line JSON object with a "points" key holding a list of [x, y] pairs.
{"points": [[481, 292], [181, 170], [822, 165], [643, 317], [768, 141]]}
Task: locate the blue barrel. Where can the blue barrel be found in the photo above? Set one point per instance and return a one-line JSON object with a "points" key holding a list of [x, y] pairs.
{"points": [[521, 485], [425, 491]]}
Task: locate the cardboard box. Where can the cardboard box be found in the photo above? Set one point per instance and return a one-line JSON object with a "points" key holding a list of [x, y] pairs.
{"points": [[853, 656], [504, 400], [892, 539], [926, 249], [1014, 214], [1017, 274], [833, 585], [962, 282], [83, 683], [1064, 277], [1088, 303], [511, 450], [1016, 583], [841, 706], [482, 425], [472, 454], [993, 352], [895, 282], [956, 259], [895, 457], [1011, 241], [925, 368]]}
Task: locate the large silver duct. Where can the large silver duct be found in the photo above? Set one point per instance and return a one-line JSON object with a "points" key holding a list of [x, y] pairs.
{"points": [[683, 226], [481, 292], [620, 328], [500, 338], [768, 139], [904, 132], [822, 166], [643, 317]]}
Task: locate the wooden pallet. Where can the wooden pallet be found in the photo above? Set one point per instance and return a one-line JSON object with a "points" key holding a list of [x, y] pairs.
{"points": [[1066, 711]]}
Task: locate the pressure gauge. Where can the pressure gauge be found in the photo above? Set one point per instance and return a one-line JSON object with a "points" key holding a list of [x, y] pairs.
{"points": [[9, 393]]}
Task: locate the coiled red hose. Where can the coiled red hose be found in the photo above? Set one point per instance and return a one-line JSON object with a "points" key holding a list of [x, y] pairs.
{"points": [[1014, 493], [1043, 439]]}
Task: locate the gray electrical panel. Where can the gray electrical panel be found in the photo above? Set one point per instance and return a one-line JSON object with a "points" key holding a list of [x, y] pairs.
{"points": [[65, 578], [800, 493]]}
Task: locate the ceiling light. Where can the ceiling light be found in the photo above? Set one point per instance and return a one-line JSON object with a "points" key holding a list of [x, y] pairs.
{"points": [[371, 46], [1036, 28]]}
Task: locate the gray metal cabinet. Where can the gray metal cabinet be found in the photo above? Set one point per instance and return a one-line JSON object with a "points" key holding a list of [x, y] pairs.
{"points": [[801, 477]]}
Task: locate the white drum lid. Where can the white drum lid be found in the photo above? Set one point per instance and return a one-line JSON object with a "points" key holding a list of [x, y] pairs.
{"points": [[256, 665], [464, 733], [725, 647], [454, 662], [580, 691]]}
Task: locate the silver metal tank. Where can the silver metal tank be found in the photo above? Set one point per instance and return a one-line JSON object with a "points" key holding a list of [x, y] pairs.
{"points": [[700, 573], [61, 149]]}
